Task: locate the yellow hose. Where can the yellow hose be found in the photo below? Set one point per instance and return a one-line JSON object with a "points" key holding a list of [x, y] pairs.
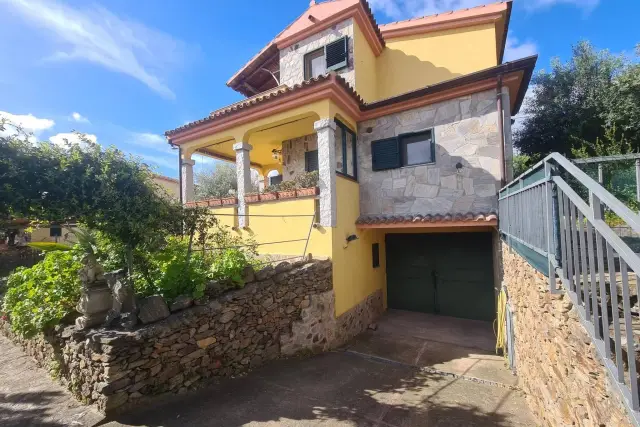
{"points": [[500, 325]]}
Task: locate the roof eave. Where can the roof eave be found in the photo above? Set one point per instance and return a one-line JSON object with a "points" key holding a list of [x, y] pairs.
{"points": [[506, 31]]}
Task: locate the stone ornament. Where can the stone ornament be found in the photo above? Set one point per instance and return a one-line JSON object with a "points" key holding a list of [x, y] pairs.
{"points": [[95, 300], [124, 307]]}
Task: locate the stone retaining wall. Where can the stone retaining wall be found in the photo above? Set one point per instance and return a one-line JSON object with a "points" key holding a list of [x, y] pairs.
{"points": [[288, 309], [565, 382]]}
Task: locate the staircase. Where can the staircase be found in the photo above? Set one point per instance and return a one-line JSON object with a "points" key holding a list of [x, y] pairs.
{"points": [[554, 216]]}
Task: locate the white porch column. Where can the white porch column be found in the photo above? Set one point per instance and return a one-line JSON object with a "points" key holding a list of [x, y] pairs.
{"points": [[325, 128], [243, 173], [187, 189]]}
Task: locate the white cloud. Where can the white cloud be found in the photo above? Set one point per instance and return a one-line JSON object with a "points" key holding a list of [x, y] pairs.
{"points": [[405, 9], [151, 141], [516, 50], [61, 139], [96, 35], [163, 161], [28, 122], [77, 117]]}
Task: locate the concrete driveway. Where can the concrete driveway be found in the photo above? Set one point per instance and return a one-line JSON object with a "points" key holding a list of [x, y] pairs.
{"points": [[359, 386]]}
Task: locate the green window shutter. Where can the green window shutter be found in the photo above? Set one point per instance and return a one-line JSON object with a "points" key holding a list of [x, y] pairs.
{"points": [[385, 154], [337, 54], [311, 161]]}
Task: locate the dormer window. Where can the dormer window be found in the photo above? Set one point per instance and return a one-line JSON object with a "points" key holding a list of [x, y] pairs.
{"points": [[333, 56]]}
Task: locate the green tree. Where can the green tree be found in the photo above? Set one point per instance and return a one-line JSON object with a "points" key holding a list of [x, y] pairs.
{"points": [[220, 181], [623, 103], [217, 182], [103, 188], [578, 100]]}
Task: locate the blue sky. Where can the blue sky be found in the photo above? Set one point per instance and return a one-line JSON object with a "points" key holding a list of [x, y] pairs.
{"points": [[125, 71]]}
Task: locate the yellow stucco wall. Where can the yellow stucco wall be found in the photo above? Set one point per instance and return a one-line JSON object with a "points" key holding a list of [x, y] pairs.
{"points": [[409, 63], [276, 229], [43, 235], [354, 277], [366, 76], [226, 216], [171, 188]]}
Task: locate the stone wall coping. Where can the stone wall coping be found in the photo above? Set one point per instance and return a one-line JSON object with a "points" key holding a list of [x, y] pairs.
{"points": [[190, 315]]}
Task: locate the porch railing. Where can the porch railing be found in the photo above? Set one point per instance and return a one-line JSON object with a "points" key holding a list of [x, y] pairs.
{"points": [[553, 214]]}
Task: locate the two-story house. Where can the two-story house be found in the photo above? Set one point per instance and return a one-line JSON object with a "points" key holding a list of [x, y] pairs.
{"points": [[409, 127]]}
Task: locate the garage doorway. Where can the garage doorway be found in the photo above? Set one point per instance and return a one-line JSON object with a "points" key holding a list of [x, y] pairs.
{"points": [[449, 274]]}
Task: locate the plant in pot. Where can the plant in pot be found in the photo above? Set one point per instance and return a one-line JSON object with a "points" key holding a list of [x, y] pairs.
{"points": [[269, 193], [231, 200], [307, 184], [252, 197], [287, 190]]}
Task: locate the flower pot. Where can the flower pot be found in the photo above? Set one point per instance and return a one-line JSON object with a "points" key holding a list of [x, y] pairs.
{"points": [[229, 201], [312, 191], [287, 194], [268, 196], [215, 202], [252, 198]]}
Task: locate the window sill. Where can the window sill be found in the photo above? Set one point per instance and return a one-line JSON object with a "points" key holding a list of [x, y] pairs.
{"points": [[350, 178], [416, 165]]}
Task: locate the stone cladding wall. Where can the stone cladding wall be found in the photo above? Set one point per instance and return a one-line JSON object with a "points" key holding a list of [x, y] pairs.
{"points": [[465, 132], [293, 155], [565, 382], [286, 310], [292, 57], [293, 150]]}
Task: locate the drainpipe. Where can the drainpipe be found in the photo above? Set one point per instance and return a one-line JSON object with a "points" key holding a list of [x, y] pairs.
{"points": [[503, 169], [180, 174]]}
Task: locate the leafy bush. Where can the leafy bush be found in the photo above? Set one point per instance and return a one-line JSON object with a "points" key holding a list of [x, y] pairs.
{"points": [[49, 246], [169, 273], [41, 296], [229, 265]]}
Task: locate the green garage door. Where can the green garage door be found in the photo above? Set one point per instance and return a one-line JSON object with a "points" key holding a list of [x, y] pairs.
{"points": [[445, 273]]}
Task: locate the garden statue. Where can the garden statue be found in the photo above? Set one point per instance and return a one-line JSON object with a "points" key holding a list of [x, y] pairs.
{"points": [[95, 300], [124, 300]]}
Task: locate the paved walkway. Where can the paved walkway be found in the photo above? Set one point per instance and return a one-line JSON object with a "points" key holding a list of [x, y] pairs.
{"points": [[28, 397], [345, 388]]}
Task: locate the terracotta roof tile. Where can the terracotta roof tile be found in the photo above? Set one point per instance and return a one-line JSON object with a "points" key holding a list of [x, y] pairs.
{"points": [[266, 96], [444, 16], [525, 64], [324, 10], [417, 219]]}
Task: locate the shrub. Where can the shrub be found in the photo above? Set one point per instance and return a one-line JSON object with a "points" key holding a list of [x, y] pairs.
{"points": [[40, 297], [169, 273], [228, 265]]}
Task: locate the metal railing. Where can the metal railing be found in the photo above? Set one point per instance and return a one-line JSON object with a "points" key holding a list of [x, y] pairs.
{"points": [[543, 214]]}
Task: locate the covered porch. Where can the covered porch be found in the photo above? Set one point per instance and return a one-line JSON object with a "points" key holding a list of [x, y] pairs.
{"points": [[280, 141]]}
